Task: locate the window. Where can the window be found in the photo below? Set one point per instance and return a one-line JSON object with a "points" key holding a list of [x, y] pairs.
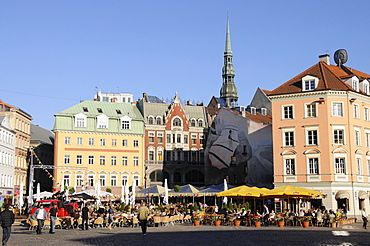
{"points": [[67, 159], [136, 143], [80, 120], [367, 138], [176, 122], [288, 112], [150, 120], [79, 180], [136, 180], [159, 121], [288, 138], [79, 141], [312, 137], [114, 142], [366, 86], [160, 137], [357, 137], [66, 180], [338, 109], [136, 161], [99, 110], [309, 85], [192, 122], [338, 136], [359, 166], [126, 123], [356, 112], [91, 141], [90, 180], [168, 138], [186, 137], [193, 139], [67, 140], [178, 140], [340, 165], [289, 166], [366, 114], [263, 111], [113, 160], [102, 180], [124, 160], [91, 160], [118, 111], [160, 155], [311, 110], [368, 166], [355, 85], [85, 109], [113, 180], [102, 160], [102, 121], [151, 137], [79, 159], [313, 165], [124, 142], [124, 180], [102, 142], [200, 123], [151, 155]]}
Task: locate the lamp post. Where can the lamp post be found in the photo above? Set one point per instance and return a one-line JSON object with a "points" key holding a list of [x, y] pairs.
{"points": [[30, 181]]}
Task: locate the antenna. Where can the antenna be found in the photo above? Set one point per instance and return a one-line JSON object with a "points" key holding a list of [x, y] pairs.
{"points": [[340, 57]]}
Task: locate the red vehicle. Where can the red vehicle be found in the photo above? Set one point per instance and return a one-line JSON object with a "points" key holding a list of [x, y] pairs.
{"points": [[67, 209]]}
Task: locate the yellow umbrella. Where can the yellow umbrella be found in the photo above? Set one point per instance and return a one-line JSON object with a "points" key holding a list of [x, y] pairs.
{"points": [[243, 191], [292, 191]]}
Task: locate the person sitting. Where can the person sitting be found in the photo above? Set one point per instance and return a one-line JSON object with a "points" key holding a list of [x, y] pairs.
{"points": [[272, 217]]}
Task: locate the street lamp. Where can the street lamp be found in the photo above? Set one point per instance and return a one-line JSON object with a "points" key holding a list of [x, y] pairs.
{"points": [[30, 180]]}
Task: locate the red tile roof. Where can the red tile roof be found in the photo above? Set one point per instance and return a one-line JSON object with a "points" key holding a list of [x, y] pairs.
{"points": [[330, 78]]}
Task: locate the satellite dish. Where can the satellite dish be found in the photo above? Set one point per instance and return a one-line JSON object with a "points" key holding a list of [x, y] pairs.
{"points": [[340, 57]]}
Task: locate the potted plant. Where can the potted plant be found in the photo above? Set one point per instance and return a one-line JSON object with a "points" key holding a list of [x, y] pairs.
{"points": [[216, 221], [305, 222], [237, 222], [280, 221], [257, 221], [196, 220]]}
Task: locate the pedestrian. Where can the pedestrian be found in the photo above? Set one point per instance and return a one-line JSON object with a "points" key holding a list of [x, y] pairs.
{"points": [[266, 215], [85, 217], [7, 219], [53, 218], [365, 217], [143, 217], [110, 217], [40, 215]]}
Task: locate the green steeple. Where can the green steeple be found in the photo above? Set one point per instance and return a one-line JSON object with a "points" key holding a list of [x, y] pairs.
{"points": [[228, 90]]}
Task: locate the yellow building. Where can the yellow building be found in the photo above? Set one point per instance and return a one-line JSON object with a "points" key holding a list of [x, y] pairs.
{"points": [[99, 141]]}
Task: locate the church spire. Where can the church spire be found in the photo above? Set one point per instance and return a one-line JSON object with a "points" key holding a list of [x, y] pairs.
{"points": [[228, 90]]}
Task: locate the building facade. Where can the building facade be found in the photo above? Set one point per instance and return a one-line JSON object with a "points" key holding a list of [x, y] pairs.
{"points": [[20, 122], [321, 134], [174, 138], [99, 141], [114, 97], [7, 153]]}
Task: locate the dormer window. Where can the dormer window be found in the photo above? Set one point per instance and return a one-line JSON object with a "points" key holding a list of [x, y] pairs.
{"points": [[309, 83], [100, 110], [126, 123], [253, 110], [118, 111], [263, 111], [355, 85], [102, 121], [353, 82], [364, 85], [85, 109], [80, 120]]}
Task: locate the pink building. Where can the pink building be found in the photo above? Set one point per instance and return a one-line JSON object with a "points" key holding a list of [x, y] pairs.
{"points": [[321, 134]]}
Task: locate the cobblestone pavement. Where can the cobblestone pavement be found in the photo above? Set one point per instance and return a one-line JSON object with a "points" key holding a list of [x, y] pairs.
{"points": [[186, 234]]}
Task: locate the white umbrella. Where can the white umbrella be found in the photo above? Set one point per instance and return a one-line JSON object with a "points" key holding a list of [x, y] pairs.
{"points": [[127, 193], [133, 192], [38, 192], [21, 196], [44, 194], [122, 193], [97, 185], [225, 188], [75, 188], [66, 195], [165, 198]]}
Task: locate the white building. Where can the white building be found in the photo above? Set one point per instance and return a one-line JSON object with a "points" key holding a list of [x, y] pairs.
{"points": [[7, 153], [114, 97]]}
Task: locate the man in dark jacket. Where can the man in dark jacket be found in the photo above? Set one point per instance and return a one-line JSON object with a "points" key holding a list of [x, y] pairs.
{"points": [[7, 219]]}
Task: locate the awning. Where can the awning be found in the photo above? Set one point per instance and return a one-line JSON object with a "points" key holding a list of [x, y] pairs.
{"points": [[362, 194], [342, 194]]}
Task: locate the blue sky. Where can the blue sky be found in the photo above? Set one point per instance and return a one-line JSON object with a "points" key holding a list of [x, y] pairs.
{"points": [[55, 53]]}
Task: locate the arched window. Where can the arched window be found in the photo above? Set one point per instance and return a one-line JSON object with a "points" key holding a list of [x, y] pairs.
{"points": [[156, 176], [150, 120], [176, 122], [192, 122], [159, 121], [200, 123]]}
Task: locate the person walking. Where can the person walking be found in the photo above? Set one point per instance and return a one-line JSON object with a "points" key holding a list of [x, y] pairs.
{"points": [[53, 218], [6, 219], [85, 217], [143, 217], [365, 217], [266, 213], [110, 217], [40, 215]]}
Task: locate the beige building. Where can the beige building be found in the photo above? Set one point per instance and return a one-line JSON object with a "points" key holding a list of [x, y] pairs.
{"points": [[99, 141], [321, 134]]}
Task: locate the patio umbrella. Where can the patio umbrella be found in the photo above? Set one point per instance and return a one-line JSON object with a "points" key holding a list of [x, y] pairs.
{"points": [[21, 196], [225, 189], [44, 194], [66, 195], [133, 192], [165, 198], [243, 191], [122, 194], [154, 189], [97, 189], [289, 191], [38, 192], [83, 196]]}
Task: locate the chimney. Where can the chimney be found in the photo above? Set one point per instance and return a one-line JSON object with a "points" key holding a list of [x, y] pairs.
{"points": [[325, 58]]}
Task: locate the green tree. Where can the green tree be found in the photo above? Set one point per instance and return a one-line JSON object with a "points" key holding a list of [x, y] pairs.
{"points": [[195, 207], [176, 188], [72, 190], [108, 190]]}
